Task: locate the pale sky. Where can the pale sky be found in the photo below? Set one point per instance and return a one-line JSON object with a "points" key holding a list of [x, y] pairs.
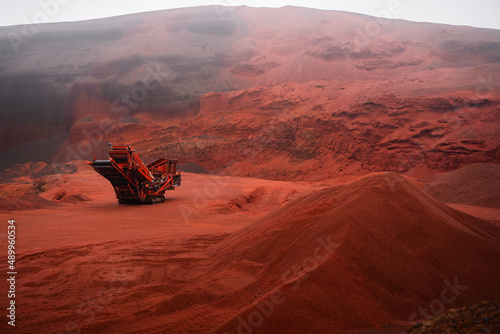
{"points": [[477, 13]]}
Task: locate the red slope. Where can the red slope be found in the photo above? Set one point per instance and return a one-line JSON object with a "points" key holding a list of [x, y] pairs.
{"points": [[476, 184], [393, 248], [328, 128]]}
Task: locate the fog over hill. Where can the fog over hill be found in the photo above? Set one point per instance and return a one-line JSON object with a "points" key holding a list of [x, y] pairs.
{"points": [[302, 90]]}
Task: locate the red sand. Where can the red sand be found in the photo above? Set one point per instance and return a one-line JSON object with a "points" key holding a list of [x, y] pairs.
{"points": [[102, 267], [476, 185], [289, 94], [393, 247]]}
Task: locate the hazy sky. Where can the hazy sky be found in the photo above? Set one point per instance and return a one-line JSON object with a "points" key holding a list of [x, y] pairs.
{"points": [[478, 13]]}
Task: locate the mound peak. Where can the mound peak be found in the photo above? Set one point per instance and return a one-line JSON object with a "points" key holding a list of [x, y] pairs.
{"points": [[364, 254]]}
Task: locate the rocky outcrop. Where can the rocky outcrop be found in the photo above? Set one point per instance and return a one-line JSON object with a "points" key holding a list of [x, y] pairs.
{"points": [[295, 130]]}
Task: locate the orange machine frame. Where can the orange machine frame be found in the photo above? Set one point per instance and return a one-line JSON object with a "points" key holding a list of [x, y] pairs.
{"points": [[132, 180]]}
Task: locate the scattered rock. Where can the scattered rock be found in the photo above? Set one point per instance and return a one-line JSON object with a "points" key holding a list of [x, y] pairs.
{"points": [[482, 317]]}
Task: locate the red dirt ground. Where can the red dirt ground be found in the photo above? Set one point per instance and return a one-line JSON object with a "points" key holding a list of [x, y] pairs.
{"points": [[309, 233], [224, 254]]}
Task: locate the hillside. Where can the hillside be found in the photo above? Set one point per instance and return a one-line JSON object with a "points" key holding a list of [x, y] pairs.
{"points": [[476, 184], [271, 92]]}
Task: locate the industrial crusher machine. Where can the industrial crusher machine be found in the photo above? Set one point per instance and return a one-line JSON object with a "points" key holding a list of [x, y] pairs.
{"points": [[133, 181]]}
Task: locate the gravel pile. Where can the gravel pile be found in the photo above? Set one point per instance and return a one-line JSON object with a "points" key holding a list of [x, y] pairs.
{"points": [[483, 317]]}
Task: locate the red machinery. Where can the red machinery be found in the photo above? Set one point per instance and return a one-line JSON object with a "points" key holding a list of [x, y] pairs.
{"points": [[132, 180]]}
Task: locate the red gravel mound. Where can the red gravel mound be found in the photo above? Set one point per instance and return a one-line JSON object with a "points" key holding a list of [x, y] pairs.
{"points": [[359, 256]]}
